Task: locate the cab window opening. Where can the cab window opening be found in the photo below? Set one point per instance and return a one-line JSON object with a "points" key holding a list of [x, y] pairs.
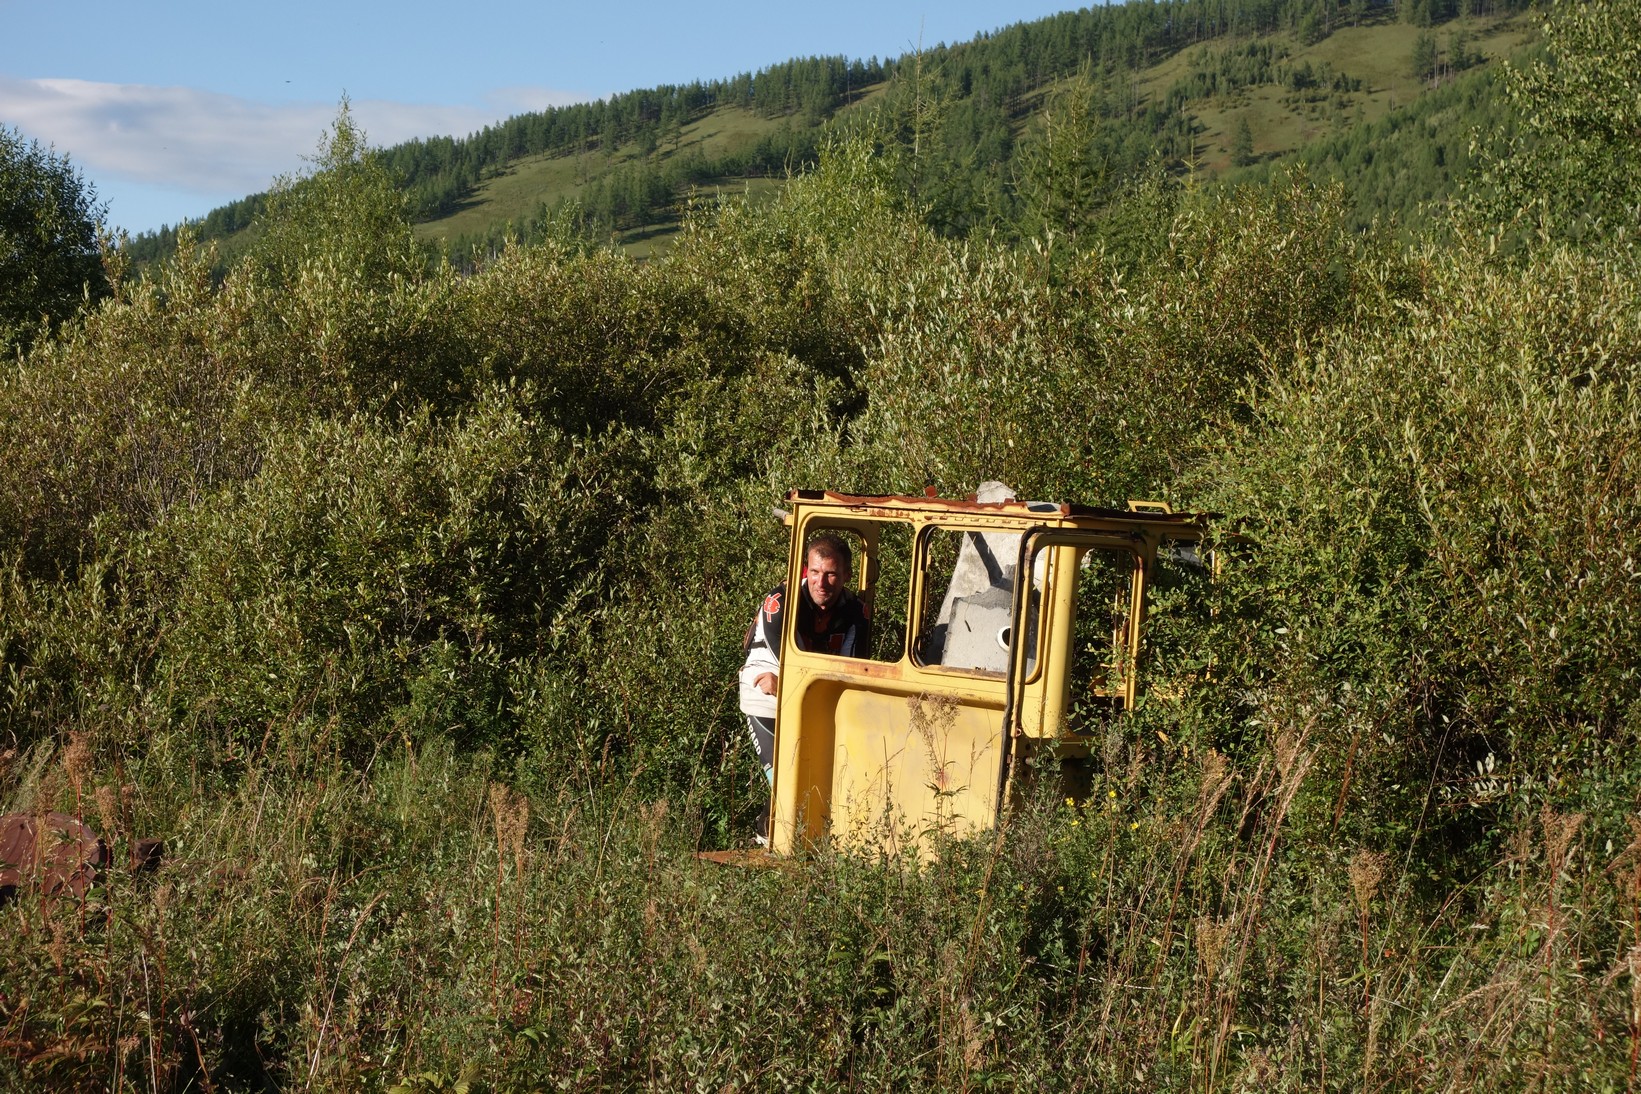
{"points": [[880, 564], [966, 610], [1100, 660]]}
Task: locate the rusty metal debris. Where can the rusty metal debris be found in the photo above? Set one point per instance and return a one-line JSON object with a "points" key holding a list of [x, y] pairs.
{"points": [[146, 855], [56, 852], [754, 857]]}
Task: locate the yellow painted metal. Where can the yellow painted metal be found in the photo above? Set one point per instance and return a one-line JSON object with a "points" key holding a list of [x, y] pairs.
{"points": [[885, 753], [884, 762]]}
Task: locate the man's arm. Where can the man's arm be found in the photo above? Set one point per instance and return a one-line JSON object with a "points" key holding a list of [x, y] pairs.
{"points": [[760, 675]]}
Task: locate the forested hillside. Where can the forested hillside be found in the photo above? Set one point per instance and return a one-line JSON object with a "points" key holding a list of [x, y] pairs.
{"points": [[403, 602], [995, 129]]}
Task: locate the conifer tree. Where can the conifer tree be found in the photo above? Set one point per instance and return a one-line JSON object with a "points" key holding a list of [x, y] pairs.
{"points": [[1242, 146]]}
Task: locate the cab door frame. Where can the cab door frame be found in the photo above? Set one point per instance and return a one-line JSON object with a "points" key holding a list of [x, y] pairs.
{"points": [[1036, 693]]}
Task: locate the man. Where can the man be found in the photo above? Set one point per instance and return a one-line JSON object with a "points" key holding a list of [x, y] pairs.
{"points": [[831, 619]]}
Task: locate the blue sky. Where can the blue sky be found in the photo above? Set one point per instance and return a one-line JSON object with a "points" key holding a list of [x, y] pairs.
{"points": [[174, 107]]}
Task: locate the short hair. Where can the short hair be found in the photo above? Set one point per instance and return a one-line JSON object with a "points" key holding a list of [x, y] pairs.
{"points": [[831, 545]]}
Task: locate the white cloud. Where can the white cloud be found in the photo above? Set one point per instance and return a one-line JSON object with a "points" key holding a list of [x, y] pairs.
{"points": [[508, 101], [206, 143]]}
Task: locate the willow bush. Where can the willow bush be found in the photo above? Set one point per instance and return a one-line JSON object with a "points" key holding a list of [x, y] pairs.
{"points": [[1446, 525], [1101, 384]]}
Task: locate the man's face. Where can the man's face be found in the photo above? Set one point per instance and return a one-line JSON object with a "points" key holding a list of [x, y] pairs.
{"points": [[826, 580]]}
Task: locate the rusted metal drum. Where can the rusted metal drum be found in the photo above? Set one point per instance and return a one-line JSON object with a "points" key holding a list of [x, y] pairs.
{"points": [[55, 851]]}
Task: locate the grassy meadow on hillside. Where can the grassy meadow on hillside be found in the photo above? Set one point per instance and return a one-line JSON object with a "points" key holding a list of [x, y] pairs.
{"points": [[404, 604], [517, 194], [1146, 83]]}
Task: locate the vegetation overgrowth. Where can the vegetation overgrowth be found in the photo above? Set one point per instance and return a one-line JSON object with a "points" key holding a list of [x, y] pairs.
{"points": [[404, 606]]}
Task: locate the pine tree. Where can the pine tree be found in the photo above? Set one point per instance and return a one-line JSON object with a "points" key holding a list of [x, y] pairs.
{"points": [[1242, 145], [1424, 57]]}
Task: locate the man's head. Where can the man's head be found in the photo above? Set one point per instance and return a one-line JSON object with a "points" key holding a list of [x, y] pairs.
{"points": [[827, 569]]}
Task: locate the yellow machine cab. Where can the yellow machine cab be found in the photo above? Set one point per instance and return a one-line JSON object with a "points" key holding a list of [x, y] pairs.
{"points": [[999, 628]]}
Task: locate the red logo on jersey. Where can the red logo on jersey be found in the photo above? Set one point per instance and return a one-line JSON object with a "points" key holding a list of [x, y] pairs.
{"points": [[772, 605]]}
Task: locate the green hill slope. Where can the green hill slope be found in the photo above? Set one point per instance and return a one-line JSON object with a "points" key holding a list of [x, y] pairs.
{"points": [[1365, 91]]}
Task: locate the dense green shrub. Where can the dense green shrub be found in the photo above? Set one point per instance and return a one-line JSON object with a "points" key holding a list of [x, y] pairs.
{"points": [[1102, 385], [1446, 513], [147, 404], [380, 581]]}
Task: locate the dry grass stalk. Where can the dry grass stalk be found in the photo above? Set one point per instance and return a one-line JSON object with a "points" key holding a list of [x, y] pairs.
{"points": [[1214, 782], [1293, 764], [511, 816], [1375, 1019], [932, 718], [974, 1040], [1187, 837], [45, 795], [108, 810], [655, 819], [1632, 964], [58, 946], [1136, 769], [697, 953], [1558, 837], [1367, 869], [77, 761], [1113, 749], [1287, 753], [1211, 937]]}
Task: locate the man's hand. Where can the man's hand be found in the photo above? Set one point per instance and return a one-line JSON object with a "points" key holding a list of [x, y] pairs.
{"points": [[766, 683]]}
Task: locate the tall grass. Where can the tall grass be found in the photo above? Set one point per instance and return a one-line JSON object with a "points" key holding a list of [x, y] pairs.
{"points": [[419, 922]]}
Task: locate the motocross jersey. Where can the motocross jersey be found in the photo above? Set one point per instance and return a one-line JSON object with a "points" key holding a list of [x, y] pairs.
{"points": [[845, 630]]}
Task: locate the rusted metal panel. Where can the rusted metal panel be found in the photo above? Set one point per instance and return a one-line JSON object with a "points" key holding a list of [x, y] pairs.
{"points": [[756, 858], [56, 852]]}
